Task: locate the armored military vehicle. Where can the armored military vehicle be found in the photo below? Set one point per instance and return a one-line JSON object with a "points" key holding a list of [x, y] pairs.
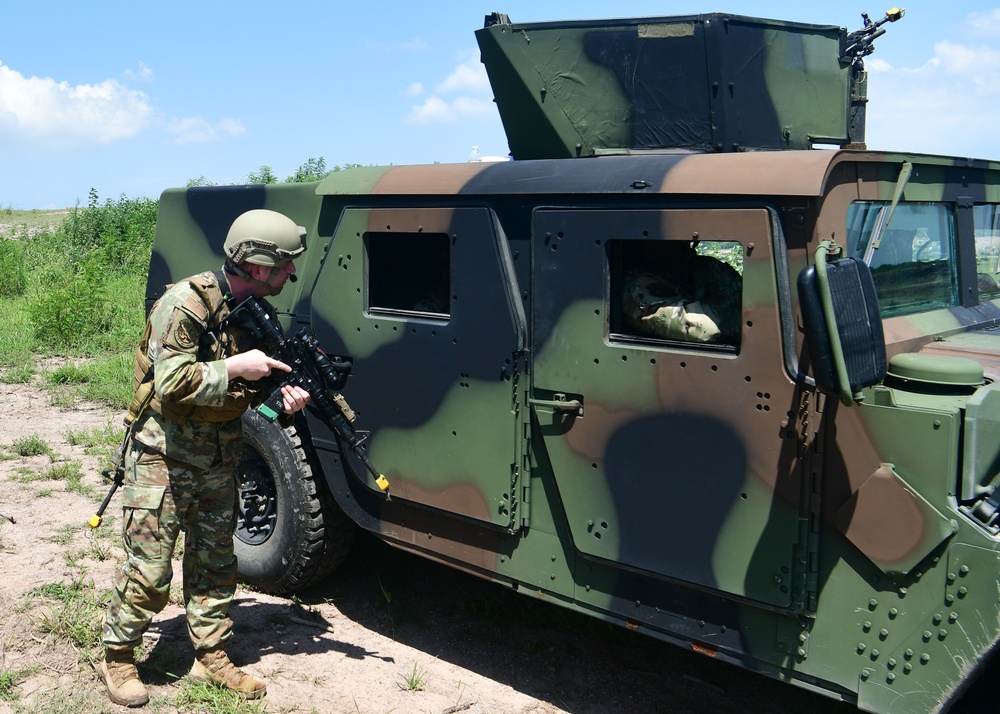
{"points": [[696, 361]]}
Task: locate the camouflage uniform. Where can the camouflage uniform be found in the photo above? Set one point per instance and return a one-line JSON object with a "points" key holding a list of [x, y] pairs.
{"points": [[180, 470], [700, 301]]}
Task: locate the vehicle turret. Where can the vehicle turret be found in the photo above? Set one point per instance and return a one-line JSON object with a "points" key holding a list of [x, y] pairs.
{"points": [[696, 83]]}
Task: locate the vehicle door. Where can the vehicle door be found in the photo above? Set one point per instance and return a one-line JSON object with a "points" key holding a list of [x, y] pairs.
{"points": [[422, 299], [659, 392]]}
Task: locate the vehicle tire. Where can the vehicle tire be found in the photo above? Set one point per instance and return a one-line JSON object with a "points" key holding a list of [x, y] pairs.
{"points": [[290, 533]]}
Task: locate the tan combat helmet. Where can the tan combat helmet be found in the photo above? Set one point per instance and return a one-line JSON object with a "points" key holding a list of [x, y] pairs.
{"points": [[264, 237]]}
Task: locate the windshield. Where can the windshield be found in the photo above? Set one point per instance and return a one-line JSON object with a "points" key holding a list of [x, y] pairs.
{"points": [[987, 221], [912, 257]]}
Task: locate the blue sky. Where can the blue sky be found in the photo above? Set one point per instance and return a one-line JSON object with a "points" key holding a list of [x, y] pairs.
{"points": [[135, 97]]}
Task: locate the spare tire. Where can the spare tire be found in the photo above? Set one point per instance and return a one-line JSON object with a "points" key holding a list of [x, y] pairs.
{"points": [[290, 533]]}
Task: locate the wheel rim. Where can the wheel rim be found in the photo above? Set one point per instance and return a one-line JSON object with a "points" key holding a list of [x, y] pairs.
{"points": [[258, 507]]}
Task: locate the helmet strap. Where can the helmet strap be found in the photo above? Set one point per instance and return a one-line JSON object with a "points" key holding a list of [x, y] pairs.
{"points": [[234, 269]]}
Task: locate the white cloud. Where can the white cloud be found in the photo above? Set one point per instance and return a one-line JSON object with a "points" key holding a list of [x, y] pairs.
{"points": [[470, 75], [143, 74], [985, 24], [196, 130], [472, 107], [40, 107], [469, 81], [960, 58], [415, 89], [433, 109], [948, 105]]}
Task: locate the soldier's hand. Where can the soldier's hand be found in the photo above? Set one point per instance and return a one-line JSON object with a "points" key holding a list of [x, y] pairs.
{"points": [[253, 365], [294, 398]]}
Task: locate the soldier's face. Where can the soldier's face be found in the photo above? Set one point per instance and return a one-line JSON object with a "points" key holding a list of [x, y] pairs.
{"points": [[274, 278]]}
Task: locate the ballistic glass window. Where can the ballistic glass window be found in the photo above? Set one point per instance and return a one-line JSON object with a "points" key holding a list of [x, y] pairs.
{"points": [[914, 265], [408, 273], [670, 292], [987, 222]]}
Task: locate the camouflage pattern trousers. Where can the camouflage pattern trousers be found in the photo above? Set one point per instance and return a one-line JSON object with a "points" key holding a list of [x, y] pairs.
{"points": [[162, 498]]}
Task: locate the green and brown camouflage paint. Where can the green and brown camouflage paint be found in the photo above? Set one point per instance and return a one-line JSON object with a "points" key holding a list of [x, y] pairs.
{"points": [[705, 495]]}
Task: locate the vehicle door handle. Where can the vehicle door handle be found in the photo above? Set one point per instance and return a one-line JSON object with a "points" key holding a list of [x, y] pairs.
{"points": [[559, 403]]}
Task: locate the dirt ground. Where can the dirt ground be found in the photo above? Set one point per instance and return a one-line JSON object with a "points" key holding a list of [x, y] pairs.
{"points": [[389, 632]]}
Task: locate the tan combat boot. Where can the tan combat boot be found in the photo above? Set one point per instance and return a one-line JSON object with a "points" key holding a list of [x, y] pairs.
{"points": [[214, 666], [122, 678]]}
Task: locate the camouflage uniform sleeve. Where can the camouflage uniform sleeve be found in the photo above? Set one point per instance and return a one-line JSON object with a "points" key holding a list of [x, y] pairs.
{"points": [[176, 328]]}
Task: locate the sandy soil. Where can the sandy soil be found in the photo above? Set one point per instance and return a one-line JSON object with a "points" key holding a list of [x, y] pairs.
{"points": [[350, 644]]}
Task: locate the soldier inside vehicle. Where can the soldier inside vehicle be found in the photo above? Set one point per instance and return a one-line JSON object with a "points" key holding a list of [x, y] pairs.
{"points": [[676, 290]]}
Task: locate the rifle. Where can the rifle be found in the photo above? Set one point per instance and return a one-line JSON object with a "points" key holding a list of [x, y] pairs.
{"points": [[118, 465], [312, 370]]}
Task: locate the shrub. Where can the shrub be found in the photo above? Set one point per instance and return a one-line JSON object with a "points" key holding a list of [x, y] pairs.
{"points": [[12, 275]]}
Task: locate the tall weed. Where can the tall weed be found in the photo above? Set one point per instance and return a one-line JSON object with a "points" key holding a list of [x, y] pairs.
{"points": [[86, 278], [12, 278]]}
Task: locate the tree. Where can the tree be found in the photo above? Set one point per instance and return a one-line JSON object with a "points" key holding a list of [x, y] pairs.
{"points": [[265, 174], [311, 170]]}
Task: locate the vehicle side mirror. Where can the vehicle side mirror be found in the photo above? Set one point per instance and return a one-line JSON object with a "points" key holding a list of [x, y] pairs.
{"points": [[843, 326]]}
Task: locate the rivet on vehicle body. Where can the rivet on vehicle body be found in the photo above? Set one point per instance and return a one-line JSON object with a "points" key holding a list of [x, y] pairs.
{"points": [[866, 673], [890, 677], [952, 617], [872, 604], [862, 647], [964, 569], [937, 618], [867, 625], [942, 633], [925, 658], [893, 612], [963, 591]]}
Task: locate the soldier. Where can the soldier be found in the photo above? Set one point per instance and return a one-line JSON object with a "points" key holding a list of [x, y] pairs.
{"points": [[195, 376], [678, 294]]}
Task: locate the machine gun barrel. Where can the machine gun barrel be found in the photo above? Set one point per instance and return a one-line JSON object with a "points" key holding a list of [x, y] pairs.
{"points": [[312, 370], [860, 43]]}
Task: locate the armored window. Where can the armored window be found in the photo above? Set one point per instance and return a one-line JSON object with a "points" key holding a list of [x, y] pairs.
{"points": [[408, 273], [674, 291], [911, 251], [987, 222]]}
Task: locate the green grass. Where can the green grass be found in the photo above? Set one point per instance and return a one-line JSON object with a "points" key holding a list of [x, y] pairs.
{"points": [[10, 679], [73, 284], [207, 697], [32, 445], [414, 681], [71, 612], [21, 222]]}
